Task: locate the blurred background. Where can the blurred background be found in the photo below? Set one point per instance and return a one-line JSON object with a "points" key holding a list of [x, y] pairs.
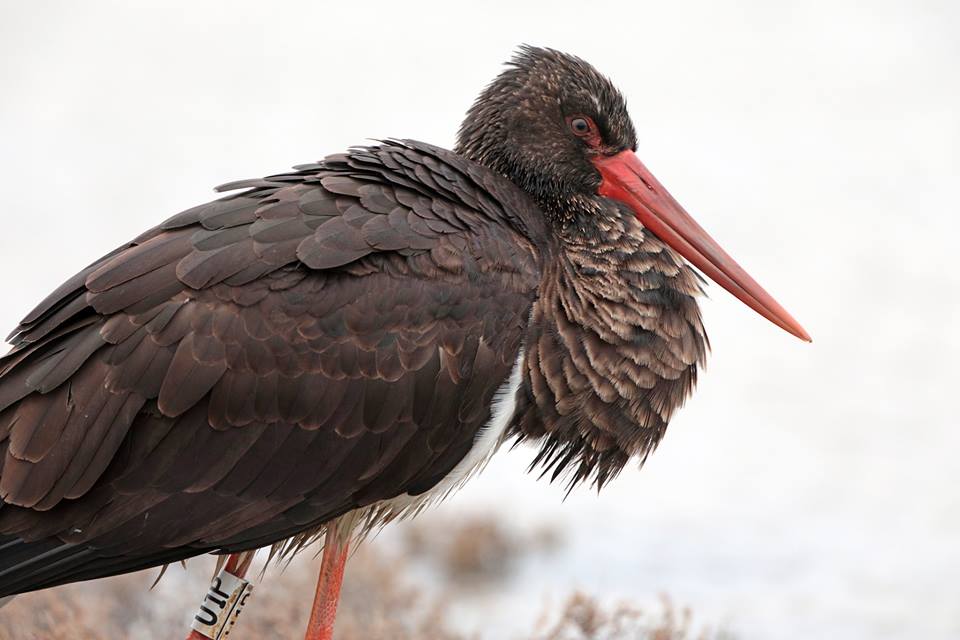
{"points": [[805, 490]]}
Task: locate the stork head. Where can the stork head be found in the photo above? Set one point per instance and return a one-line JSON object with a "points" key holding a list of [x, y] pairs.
{"points": [[560, 130]]}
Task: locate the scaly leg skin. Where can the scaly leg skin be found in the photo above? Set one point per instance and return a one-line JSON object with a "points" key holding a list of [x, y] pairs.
{"points": [[324, 610]]}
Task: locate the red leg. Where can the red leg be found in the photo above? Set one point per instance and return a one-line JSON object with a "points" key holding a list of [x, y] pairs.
{"points": [[237, 564], [324, 610]]}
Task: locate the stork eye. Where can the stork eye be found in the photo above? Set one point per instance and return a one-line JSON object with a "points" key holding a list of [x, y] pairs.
{"points": [[580, 126]]}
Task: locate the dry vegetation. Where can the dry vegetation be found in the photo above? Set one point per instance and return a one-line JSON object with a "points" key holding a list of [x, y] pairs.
{"points": [[379, 598]]}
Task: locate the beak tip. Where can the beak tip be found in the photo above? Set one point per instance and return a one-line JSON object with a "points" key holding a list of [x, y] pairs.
{"points": [[801, 333]]}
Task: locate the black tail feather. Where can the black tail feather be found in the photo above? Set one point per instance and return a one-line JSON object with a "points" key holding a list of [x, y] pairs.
{"points": [[30, 566]]}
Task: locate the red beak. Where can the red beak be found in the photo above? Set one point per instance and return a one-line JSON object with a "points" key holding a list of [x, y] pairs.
{"points": [[627, 180]]}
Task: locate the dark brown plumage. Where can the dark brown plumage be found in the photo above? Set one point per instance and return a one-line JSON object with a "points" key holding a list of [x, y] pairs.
{"points": [[332, 338], [256, 366]]}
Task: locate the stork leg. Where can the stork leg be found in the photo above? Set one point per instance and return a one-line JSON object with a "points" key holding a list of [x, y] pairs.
{"points": [[324, 610], [237, 565]]}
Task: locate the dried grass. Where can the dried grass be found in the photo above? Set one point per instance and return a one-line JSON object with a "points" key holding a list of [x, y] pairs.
{"points": [[584, 618], [379, 600], [477, 549]]}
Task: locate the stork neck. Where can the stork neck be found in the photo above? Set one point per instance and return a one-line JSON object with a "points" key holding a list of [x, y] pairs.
{"points": [[614, 344]]}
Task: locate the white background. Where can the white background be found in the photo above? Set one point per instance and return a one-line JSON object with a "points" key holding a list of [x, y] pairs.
{"points": [[806, 490]]}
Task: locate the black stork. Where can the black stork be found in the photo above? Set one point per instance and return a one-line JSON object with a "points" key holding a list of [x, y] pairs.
{"points": [[336, 347]]}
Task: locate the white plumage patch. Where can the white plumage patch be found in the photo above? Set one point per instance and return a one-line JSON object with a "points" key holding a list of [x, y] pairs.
{"points": [[486, 444], [358, 523]]}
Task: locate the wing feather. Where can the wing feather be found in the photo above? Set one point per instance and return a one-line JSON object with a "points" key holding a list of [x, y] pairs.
{"points": [[255, 366]]}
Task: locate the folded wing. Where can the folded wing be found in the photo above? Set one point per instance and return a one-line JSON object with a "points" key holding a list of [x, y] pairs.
{"points": [[255, 366]]}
